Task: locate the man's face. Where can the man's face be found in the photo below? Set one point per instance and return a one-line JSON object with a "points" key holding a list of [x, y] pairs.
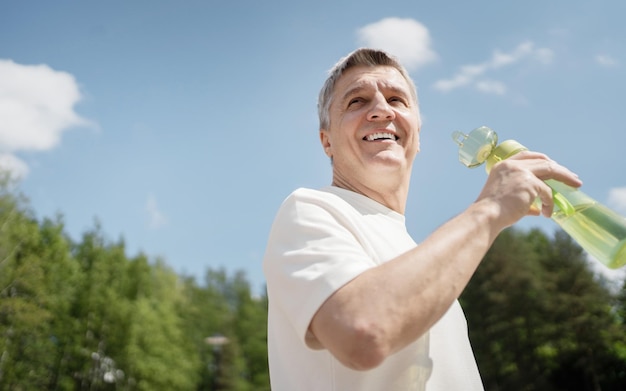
{"points": [[374, 127]]}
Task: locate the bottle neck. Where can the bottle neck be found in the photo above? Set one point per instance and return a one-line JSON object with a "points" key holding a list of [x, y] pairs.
{"points": [[505, 150]]}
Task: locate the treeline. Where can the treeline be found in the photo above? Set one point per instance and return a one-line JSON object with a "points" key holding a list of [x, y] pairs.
{"points": [[83, 315]]}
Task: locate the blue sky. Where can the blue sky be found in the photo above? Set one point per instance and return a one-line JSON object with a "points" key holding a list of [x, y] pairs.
{"points": [[181, 126]]}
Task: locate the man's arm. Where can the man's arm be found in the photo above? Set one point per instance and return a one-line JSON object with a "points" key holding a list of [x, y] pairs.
{"points": [[387, 307]]}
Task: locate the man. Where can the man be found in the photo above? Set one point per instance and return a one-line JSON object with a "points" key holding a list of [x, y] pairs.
{"points": [[354, 303]]}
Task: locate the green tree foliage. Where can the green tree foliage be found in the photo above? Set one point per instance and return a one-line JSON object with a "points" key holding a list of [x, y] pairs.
{"points": [[85, 316], [160, 357], [37, 279], [540, 320], [250, 329], [101, 311]]}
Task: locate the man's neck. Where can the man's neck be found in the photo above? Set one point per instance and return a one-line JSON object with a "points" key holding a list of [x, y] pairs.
{"points": [[392, 195]]}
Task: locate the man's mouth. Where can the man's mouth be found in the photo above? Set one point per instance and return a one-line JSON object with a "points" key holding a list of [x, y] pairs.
{"points": [[381, 136]]}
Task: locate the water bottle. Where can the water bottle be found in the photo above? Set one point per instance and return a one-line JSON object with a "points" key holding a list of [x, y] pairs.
{"points": [[597, 229]]}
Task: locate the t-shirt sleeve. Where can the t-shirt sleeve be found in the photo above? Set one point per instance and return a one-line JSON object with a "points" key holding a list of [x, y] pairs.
{"points": [[312, 251]]}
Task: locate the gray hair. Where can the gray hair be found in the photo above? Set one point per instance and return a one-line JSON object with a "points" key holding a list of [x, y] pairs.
{"points": [[359, 57]]}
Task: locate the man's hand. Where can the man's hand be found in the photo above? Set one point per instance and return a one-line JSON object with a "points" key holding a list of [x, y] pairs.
{"points": [[515, 183]]}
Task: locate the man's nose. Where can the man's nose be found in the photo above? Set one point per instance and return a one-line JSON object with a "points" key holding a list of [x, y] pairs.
{"points": [[380, 109]]}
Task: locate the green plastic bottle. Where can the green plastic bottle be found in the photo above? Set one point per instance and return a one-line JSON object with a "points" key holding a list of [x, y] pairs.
{"points": [[596, 228]]}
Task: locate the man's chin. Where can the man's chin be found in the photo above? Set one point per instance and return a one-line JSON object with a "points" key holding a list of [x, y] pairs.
{"points": [[388, 161]]}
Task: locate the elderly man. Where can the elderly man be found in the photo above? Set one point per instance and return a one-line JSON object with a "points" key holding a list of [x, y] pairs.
{"points": [[354, 302]]}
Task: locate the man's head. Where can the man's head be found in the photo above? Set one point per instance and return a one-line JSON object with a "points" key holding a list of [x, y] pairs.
{"points": [[360, 57], [370, 124]]}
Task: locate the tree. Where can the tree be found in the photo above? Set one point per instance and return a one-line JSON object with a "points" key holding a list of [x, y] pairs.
{"points": [[101, 313], [160, 355], [538, 318], [34, 266], [251, 330]]}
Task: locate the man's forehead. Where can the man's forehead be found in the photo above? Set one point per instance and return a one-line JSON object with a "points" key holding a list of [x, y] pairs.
{"points": [[360, 77]]}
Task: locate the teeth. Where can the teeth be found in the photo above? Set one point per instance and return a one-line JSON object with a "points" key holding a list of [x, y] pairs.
{"points": [[380, 135]]}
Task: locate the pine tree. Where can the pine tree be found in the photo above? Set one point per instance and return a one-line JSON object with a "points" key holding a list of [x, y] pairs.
{"points": [[540, 320]]}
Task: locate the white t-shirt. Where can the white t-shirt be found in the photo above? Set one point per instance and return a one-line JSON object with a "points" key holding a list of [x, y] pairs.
{"points": [[320, 240]]}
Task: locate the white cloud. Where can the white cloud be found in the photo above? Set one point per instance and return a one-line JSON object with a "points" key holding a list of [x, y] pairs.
{"points": [[472, 74], [617, 199], [407, 39], [614, 277], [491, 87], [15, 167], [156, 219], [606, 61], [544, 55], [36, 107]]}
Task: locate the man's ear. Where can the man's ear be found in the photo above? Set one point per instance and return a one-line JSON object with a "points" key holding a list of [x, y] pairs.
{"points": [[325, 140]]}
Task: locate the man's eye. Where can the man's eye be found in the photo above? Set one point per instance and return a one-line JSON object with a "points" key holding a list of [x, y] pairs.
{"points": [[396, 99], [354, 101]]}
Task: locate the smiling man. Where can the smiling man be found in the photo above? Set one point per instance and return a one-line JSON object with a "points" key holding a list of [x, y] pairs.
{"points": [[372, 135], [354, 302]]}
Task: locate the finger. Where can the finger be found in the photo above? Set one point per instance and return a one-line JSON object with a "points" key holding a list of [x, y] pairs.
{"points": [[547, 201], [545, 168], [529, 155], [535, 208]]}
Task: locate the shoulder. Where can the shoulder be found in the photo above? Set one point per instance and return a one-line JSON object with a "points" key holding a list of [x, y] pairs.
{"points": [[305, 198], [306, 194], [312, 212]]}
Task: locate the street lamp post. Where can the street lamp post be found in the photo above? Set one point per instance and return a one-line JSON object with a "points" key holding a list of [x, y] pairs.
{"points": [[216, 341]]}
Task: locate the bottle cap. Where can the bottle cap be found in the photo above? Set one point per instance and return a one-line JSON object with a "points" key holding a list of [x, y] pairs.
{"points": [[475, 147]]}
